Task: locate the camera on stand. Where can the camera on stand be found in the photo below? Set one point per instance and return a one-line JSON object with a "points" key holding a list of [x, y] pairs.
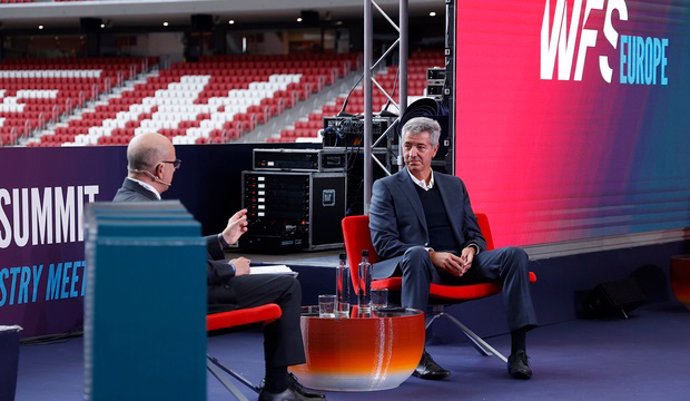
{"points": [[348, 132]]}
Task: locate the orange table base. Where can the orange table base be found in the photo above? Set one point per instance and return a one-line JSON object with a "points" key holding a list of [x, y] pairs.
{"points": [[362, 353], [680, 278]]}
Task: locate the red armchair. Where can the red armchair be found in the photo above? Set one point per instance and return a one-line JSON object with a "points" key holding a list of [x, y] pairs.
{"points": [[357, 237], [240, 317]]}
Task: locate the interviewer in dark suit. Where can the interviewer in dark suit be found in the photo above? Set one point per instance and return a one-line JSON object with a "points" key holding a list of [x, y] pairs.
{"points": [[152, 162], [423, 227]]}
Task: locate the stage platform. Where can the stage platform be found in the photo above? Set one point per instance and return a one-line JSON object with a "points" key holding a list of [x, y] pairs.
{"points": [[641, 358]]}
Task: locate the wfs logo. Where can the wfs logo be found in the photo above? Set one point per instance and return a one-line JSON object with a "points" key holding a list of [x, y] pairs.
{"points": [[642, 60]]}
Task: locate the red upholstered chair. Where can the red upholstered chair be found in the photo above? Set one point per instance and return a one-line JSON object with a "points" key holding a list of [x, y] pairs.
{"points": [[357, 237], [239, 317]]}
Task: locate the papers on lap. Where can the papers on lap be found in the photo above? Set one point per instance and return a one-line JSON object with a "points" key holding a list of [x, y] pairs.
{"points": [[272, 269]]}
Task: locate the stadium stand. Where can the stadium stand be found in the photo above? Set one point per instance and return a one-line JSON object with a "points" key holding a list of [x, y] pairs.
{"points": [[419, 62], [215, 100], [35, 92]]}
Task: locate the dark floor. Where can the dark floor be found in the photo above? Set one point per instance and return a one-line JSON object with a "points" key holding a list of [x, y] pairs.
{"points": [[646, 357]]}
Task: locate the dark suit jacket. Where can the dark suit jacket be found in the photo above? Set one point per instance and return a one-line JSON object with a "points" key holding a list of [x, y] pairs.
{"points": [[282, 338], [397, 222], [218, 272]]}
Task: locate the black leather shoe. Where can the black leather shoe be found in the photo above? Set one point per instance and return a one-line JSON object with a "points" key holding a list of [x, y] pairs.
{"points": [[428, 369], [300, 389], [294, 384], [287, 395], [518, 365]]}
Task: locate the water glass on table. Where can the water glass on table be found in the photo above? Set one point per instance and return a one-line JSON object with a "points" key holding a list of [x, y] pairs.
{"points": [[343, 310], [379, 298], [327, 304]]}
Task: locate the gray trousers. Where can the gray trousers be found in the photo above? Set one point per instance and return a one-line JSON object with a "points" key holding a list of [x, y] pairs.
{"points": [[505, 265]]}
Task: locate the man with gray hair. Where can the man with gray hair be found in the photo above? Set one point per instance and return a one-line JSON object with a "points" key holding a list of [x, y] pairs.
{"points": [[423, 228]]}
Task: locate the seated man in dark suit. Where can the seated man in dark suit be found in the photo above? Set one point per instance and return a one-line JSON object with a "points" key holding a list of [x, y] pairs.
{"points": [[152, 163], [423, 226]]}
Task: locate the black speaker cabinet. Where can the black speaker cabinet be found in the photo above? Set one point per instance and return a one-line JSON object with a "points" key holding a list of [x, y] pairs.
{"points": [[202, 22], [89, 25], [293, 210], [613, 299], [309, 17]]}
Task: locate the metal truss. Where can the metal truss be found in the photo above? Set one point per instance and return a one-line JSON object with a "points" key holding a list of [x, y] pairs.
{"points": [[370, 81]]}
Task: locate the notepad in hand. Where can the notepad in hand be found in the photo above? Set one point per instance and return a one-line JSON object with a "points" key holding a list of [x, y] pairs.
{"points": [[272, 269]]}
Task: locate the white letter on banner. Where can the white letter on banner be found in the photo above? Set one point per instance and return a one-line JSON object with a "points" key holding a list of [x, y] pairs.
{"points": [[611, 35], [559, 33], [65, 224], [90, 191], [4, 222], [588, 37], [41, 216], [23, 222]]}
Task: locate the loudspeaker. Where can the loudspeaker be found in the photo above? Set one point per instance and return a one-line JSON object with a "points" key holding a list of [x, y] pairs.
{"points": [[309, 17], [89, 25], [202, 22], [432, 108], [193, 47], [355, 175], [653, 282], [613, 299]]}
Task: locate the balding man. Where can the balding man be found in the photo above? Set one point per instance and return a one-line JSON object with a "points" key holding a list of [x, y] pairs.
{"points": [[152, 162]]}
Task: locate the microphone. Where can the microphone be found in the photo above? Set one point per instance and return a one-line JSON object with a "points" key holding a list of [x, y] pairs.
{"points": [[342, 113], [167, 184], [153, 177]]}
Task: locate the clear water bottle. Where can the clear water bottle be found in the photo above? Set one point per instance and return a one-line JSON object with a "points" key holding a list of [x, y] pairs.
{"points": [[364, 283], [342, 287]]}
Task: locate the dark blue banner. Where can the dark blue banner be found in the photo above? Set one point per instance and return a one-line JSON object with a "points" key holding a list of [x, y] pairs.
{"points": [[43, 192]]}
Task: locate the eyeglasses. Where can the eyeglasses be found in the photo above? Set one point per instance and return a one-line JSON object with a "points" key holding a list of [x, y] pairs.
{"points": [[176, 163]]}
